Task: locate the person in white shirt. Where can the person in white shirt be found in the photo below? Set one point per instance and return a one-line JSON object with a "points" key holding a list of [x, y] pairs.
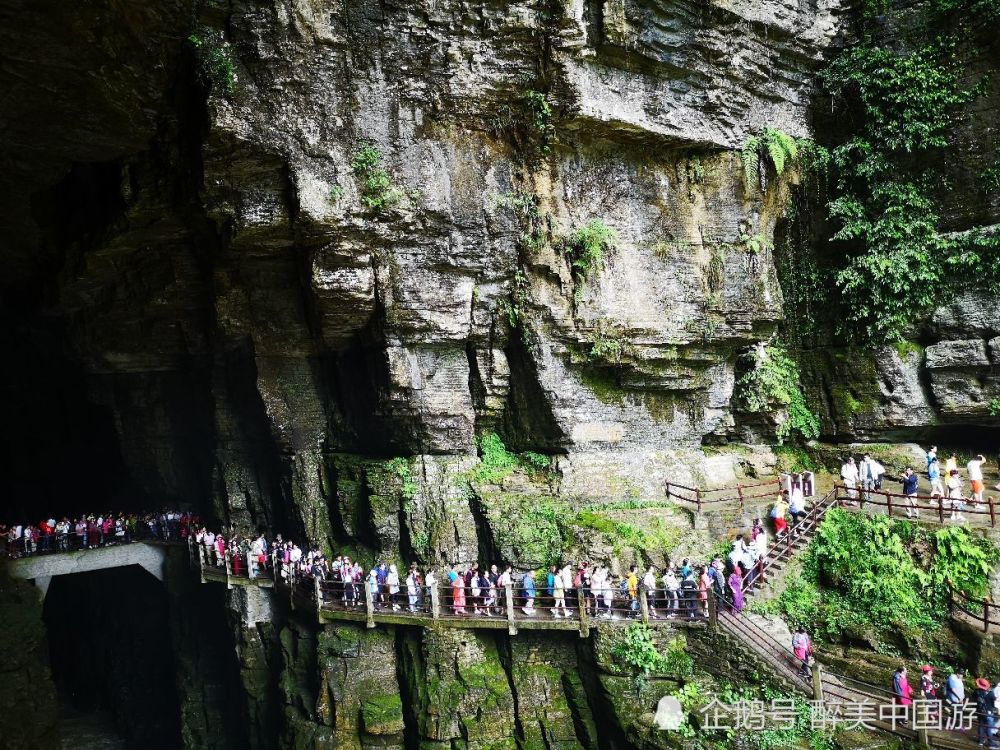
{"points": [[411, 589], [567, 576], [672, 587], [975, 467], [871, 472], [392, 582], [796, 504], [849, 476], [209, 547], [649, 584]]}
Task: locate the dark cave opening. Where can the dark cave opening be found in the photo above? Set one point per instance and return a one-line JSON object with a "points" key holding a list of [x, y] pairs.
{"points": [[59, 451], [110, 652]]}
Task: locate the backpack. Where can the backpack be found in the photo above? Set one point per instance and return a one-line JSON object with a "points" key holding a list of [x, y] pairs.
{"points": [[984, 702], [623, 586]]}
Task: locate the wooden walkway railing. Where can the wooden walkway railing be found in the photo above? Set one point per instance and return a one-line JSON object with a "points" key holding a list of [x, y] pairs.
{"points": [[823, 685], [741, 493], [435, 606], [930, 507]]}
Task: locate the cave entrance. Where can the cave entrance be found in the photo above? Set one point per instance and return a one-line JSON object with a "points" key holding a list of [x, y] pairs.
{"points": [[59, 452], [112, 658], [963, 440]]}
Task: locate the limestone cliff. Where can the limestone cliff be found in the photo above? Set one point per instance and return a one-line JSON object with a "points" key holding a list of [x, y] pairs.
{"points": [[295, 264]]}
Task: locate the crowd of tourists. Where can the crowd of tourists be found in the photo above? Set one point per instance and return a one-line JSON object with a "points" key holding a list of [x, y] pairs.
{"points": [[94, 530], [867, 475], [680, 590], [954, 700]]}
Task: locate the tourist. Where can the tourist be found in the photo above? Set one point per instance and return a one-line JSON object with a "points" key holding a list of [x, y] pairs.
{"points": [[608, 594], [928, 688], [951, 464], [796, 505], [488, 592], [689, 593], [717, 571], [802, 648], [598, 580], [558, 596], [871, 472], [849, 476], [736, 589], [704, 584], [649, 586], [902, 693], [567, 579], [373, 588], [778, 511], [392, 583], [671, 587], [931, 456], [909, 481], [458, 595], [528, 587], [985, 713], [955, 496], [632, 587], [975, 468], [934, 477], [954, 693], [431, 583]]}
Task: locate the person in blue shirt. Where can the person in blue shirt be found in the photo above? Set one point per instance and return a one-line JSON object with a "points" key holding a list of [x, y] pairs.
{"points": [[934, 476], [528, 586], [910, 479]]}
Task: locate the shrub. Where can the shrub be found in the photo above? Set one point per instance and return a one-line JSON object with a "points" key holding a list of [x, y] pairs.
{"points": [[773, 381], [636, 649], [771, 146], [586, 246], [216, 68], [497, 463], [377, 189]]}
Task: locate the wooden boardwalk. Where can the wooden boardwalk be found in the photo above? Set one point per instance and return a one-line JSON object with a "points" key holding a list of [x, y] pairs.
{"points": [[331, 603]]}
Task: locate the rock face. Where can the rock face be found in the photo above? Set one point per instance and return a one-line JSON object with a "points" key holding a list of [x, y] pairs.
{"points": [[287, 261]]}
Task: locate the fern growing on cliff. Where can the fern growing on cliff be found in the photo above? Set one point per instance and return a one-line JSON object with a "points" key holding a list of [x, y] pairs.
{"points": [[586, 246], [772, 146]]}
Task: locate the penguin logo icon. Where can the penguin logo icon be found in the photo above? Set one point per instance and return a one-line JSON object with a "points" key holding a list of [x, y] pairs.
{"points": [[669, 714]]}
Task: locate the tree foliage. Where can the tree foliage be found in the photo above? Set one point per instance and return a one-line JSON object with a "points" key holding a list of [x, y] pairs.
{"points": [[888, 175]]}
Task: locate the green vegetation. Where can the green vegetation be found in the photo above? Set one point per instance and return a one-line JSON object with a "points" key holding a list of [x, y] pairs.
{"points": [[635, 647], [515, 304], [994, 407], [527, 527], [887, 178], [377, 190], [335, 193], [540, 118], [585, 247], [608, 344], [400, 467], [755, 244], [775, 148], [905, 348], [773, 382], [497, 463], [885, 579], [216, 68], [661, 538]]}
